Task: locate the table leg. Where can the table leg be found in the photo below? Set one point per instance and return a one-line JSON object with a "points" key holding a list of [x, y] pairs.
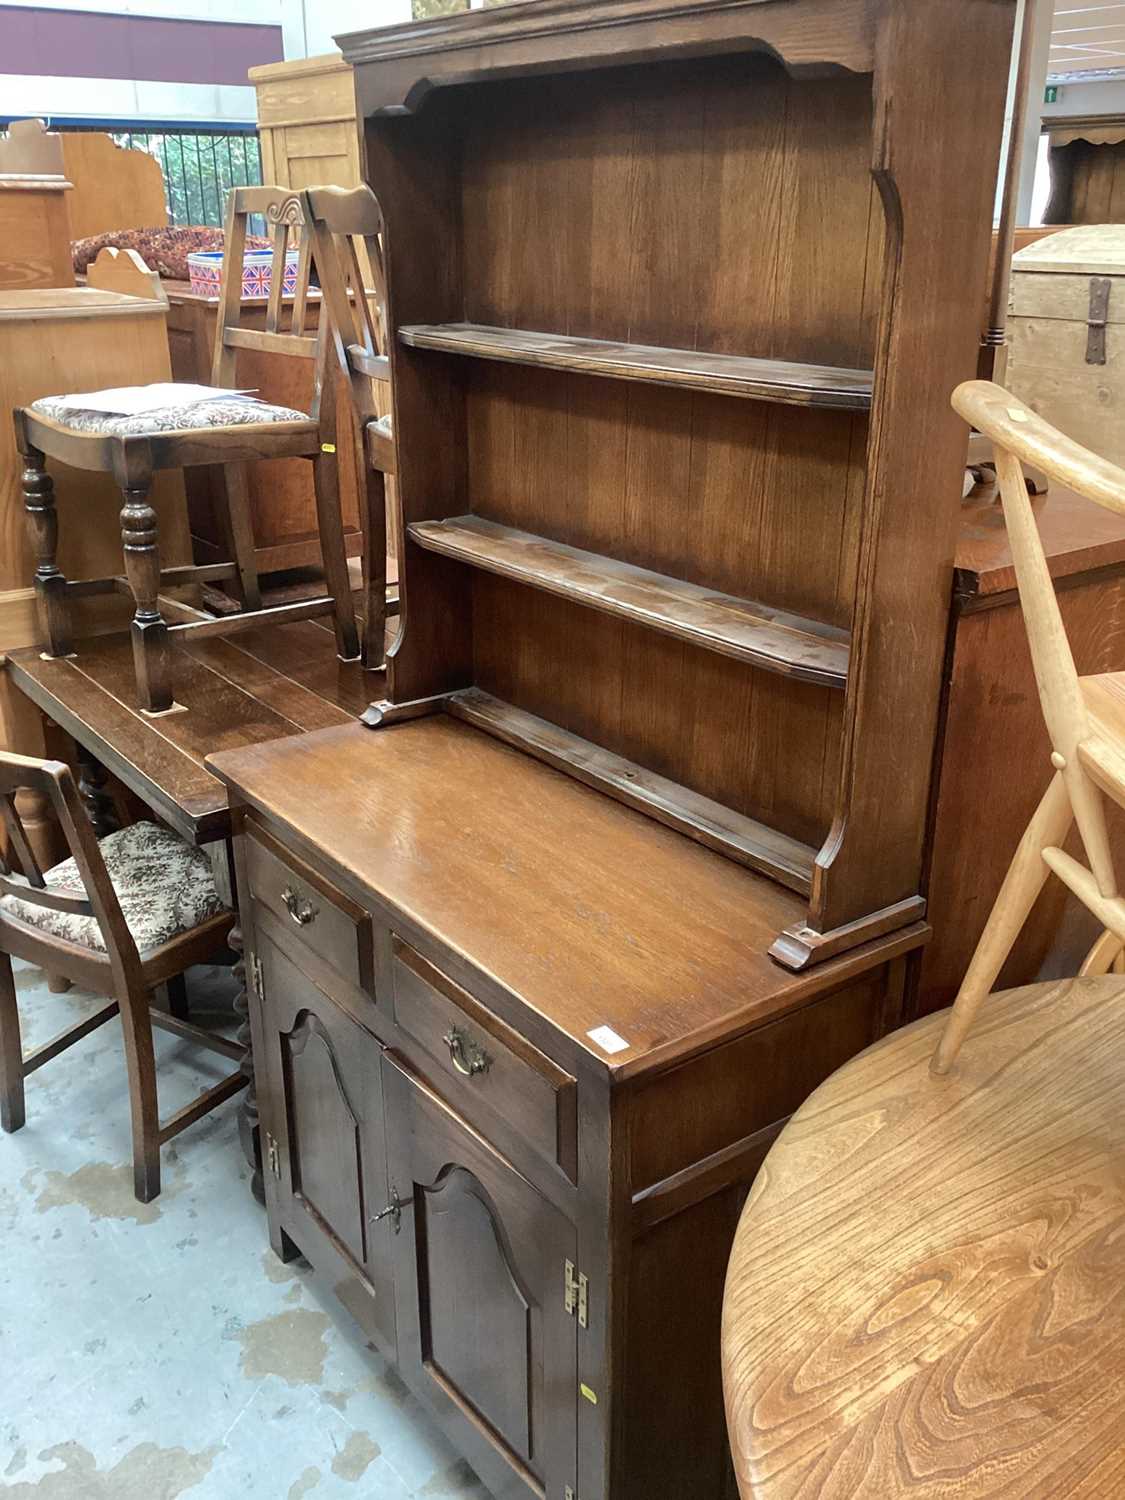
{"points": [[99, 804], [248, 1127]]}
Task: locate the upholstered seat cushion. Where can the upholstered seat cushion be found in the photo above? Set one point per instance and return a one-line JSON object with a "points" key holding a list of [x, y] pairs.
{"points": [[164, 884], [223, 411]]}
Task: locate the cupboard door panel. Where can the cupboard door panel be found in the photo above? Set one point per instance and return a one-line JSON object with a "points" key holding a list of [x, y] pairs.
{"points": [[477, 1304], [321, 1101], [325, 1139], [479, 1283]]}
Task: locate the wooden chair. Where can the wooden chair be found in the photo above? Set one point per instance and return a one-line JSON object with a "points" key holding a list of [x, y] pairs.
{"points": [[1085, 716], [120, 918], [229, 433], [348, 235]]}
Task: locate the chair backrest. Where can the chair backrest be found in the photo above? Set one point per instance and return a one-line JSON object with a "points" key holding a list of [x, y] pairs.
{"points": [[348, 233], [1019, 436], [53, 780], [287, 220]]}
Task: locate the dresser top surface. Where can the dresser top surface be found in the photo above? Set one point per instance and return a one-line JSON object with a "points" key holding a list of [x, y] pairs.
{"points": [[593, 915]]}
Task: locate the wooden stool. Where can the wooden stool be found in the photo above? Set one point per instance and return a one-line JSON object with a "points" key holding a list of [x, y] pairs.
{"points": [[227, 433], [926, 1296]]}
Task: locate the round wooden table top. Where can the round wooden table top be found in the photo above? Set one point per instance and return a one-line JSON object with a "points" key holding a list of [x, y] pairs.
{"points": [[927, 1292]]}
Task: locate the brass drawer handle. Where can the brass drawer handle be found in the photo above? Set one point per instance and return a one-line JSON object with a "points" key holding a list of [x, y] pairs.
{"points": [[303, 912], [467, 1056]]}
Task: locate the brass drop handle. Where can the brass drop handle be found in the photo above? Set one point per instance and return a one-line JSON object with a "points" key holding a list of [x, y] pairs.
{"points": [[393, 1211], [303, 912], [467, 1056]]}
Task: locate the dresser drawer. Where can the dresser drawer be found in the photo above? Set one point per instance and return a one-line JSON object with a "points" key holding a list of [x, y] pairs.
{"points": [[484, 1062], [311, 910]]}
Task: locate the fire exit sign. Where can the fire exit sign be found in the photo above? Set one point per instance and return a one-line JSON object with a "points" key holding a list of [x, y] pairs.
{"points": [[1052, 94]]}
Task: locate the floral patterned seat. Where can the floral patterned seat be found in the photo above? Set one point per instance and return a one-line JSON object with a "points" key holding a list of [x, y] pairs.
{"points": [[164, 884], [223, 411]]}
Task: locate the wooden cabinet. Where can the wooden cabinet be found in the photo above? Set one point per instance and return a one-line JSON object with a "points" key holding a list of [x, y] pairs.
{"points": [[582, 1051], [310, 133], [482, 1261], [639, 824], [319, 1083]]}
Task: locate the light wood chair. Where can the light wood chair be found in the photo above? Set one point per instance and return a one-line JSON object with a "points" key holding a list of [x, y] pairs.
{"points": [[227, 433], [122, 918], [348, 234], [1085, 715]]}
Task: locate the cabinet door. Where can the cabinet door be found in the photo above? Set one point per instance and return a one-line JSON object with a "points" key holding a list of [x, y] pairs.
{"points": [[322, 1120], [480, 1281]]}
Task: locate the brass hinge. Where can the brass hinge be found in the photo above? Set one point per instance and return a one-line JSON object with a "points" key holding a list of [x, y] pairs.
{"points": [[576, 1290], [273, 1156], [256, 983]]}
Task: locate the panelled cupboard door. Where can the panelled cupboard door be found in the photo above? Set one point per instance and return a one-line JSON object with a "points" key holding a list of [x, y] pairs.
{"points": [[323, 1109], [480, 1279]]}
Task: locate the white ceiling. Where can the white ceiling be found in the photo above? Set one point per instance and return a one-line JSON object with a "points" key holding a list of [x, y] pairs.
{"points": [[1087, 37]]}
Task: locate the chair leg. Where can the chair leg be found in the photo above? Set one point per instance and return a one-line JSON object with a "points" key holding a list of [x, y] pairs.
{"points": [[1025, 879], [175, 991], [375, 570], [12, 1112], [1105, 956], [43, 527], [333, 548], [238, 530], [140, 1064], [151, 659]]}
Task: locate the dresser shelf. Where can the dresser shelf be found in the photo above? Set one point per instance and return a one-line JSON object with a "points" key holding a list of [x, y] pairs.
{"points": [[723, 374], [755, 633], [742, 839]]}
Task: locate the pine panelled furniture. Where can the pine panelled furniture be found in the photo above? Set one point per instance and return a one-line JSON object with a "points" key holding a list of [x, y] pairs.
{"points": [[227, 433], [120, 917], [1067, 333], [924, 1298], [308, 127], [1084, 716], [681, 569], [113, 187]]}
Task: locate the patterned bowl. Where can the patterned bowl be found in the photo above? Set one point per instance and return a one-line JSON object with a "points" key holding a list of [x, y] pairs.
{"points": [[205, 267]]}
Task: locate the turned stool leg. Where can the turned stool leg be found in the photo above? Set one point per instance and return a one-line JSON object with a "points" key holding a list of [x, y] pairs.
{"points": [[150, 633], [43, 526]]}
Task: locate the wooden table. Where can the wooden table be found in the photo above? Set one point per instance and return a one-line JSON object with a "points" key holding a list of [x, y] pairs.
{"points": [[927, 1292], [263, 685]]}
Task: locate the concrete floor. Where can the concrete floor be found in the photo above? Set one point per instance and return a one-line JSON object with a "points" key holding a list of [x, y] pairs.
{"points": [[152, 1352]]}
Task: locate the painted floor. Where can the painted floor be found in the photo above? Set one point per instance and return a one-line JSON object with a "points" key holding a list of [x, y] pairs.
{"points": [[152, 1352]]}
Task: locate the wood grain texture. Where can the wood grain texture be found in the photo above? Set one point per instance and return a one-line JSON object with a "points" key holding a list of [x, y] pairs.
{"points": [[113, 188], [739, 628], [709, 823], [727, 374], [611, 892], [925, 1296]]}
